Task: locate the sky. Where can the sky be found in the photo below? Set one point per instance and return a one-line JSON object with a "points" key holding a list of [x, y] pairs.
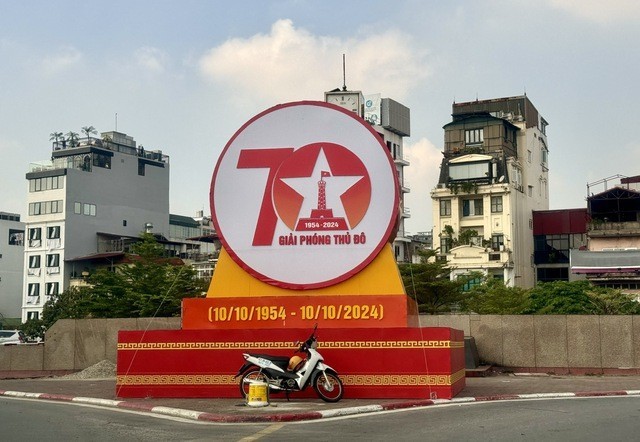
{"points": [[184, 76]]}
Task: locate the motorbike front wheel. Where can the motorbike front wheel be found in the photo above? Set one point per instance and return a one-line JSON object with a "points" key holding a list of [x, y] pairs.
{"points": [[253, 375], [328, 386]]}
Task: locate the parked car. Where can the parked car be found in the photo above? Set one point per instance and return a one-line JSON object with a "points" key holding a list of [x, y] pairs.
{"points": [[12, 337]]}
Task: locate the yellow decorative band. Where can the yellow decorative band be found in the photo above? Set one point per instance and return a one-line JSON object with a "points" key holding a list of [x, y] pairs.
{"points": [[344, 345], [368, 380]]}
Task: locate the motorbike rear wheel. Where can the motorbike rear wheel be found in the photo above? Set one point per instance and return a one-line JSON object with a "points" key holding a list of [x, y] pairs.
{"points": [[328, 386], [251, 376]]}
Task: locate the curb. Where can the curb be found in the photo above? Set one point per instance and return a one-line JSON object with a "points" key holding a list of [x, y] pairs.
{"points": [[311, 415]]}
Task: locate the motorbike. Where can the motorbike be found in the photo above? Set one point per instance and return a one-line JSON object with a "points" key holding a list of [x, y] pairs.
{"points": [[284, 374]]}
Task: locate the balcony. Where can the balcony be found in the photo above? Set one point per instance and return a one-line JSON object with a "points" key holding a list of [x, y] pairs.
{"points": [[600, 229]]}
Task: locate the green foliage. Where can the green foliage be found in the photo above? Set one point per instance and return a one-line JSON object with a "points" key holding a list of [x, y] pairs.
{"points": [[149, 286], [607, 301], [579, 298], [430, 285], [493, 297], [33, 329]]}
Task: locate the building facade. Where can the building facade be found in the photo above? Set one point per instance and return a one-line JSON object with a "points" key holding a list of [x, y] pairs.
{"points": [[11, 269], [556, 235], [612, 258], [493, 175], [392, 121], [85, 203]]}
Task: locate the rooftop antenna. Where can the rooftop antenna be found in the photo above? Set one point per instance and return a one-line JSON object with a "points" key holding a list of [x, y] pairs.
{"points": [[116, 121], [344, 74]]}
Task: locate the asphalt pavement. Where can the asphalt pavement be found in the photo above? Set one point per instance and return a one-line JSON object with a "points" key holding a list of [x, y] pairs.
{"points": [[499, 386]]}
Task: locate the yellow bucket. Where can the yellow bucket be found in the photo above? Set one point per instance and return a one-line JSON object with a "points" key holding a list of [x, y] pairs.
{"points": [[258, 394]]}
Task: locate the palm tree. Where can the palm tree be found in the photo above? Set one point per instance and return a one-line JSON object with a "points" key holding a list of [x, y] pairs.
{"points": [[88, 130], [72, 138], [55, 137]]}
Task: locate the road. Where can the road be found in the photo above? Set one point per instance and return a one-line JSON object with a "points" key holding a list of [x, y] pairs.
{"points": [[584, 419]]}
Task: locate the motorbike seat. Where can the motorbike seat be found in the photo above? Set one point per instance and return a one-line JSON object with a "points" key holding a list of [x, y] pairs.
{"points": [[280, 361]]}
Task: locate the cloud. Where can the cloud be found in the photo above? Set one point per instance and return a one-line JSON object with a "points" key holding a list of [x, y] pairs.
{"points": [[66, 58], [151, 59], [602, 12], [422, 176], [291, 64]]}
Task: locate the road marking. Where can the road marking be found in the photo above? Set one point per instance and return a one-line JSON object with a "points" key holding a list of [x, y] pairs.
{"points": [[270, 429]]}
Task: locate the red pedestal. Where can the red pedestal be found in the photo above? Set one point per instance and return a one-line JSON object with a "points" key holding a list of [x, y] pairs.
{"points": [[414, 362]]}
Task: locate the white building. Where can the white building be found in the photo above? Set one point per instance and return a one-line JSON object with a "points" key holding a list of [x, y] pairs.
{"points": [[11, 259], [392, 121], [494, 174], [83, 204]]}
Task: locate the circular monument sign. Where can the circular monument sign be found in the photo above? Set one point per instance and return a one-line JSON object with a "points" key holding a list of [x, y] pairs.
{"points": [[304, 195]]}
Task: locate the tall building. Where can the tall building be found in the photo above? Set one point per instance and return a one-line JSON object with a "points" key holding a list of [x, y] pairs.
{"points": [[392, 121], [11, 259], [494, 174], [83, 206]]}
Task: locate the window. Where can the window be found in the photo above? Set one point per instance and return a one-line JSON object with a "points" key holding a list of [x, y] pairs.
{"points": [[470, 283], [470, 170], [33, 294], [89, 209], [497, 241], [45, 207], [53, 260], [472, 207], [34, 262], [140, 168], [445, 207], [545, 157], [124, 223], [77, 208], [474, 136], [53, 232], [35, 237], [48, 183], [53, 263], [530, 188], [529, 156], [16, 237], [496, 204], [33, 315], [51, 288], [445, 245]]}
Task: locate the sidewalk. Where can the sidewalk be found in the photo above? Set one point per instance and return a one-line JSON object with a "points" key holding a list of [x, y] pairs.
{"points": [[497, 387]]}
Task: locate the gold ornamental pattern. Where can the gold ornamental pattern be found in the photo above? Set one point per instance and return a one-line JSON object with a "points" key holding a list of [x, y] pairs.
{"points": [[285, 345], [368, 380]]}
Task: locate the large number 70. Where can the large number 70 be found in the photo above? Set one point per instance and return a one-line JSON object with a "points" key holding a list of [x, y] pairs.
{"points": [[265, 159]]}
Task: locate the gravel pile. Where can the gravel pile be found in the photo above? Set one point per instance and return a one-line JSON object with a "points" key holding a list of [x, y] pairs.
{"points": [[102, 370]]}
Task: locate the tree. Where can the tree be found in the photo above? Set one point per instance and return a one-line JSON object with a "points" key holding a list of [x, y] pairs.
{"points": [[493, 297], [430, 285], [88, 130], [560, 298], [608, 301], [55, 137], [150, 285], [72, 138]]}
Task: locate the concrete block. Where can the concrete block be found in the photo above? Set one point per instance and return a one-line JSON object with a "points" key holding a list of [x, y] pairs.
{"points": [[583, 341], [429, 320], [459, 322], [550, 341], [159, 323], [27, 357], [518, 343], [91, 337], [59, 347], [5, 358], [636, 340], [616, 333], [487, 331], [111, 335]]}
